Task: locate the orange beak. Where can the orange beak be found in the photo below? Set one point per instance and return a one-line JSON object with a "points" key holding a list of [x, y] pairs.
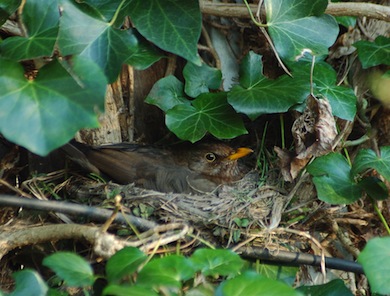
{"points": [[240, 152]]}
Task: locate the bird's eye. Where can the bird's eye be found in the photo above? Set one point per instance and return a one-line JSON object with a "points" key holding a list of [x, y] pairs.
{"points": [[210, 157]]}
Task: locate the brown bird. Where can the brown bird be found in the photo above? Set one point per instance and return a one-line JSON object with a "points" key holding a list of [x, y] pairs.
{"points": [[195, 168]]}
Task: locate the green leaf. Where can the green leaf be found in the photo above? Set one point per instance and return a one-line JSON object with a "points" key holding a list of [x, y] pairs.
{"points": [[374, 188], [341, 99], [374, 53], [367, 159], [209, 112], [251, 70], [167, 93], [217, 262], [346, 21], [145, 54], [167, 271], [116, 290], [41, 22], [29, 283], [333, 288], [124, 262], [375, 259], [252, 284], [333, 181], [73, 269], [286, 274], [99, 41], [104, 9], [200, 79], [204, 289], [51, 108], [297, 26], [8, 7], [257, 95], [173, 25]]}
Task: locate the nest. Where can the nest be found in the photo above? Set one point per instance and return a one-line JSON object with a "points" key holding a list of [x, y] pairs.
{"points": [[243, 200]]}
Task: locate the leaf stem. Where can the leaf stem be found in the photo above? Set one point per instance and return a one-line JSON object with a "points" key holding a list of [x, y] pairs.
{"points": [[252, 16], [313, 61], [347, 156], [112, 22], [379, 213]]}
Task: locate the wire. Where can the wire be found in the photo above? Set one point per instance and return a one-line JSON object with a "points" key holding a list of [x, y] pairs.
{"points": [[295, 259], [100, 215]]}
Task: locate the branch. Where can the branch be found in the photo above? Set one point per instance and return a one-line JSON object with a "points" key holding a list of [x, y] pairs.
{"points": [[104, 244], [368, 10]]}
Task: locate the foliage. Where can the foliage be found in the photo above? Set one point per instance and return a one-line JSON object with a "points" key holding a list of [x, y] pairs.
{"points": [[129, 272], [53, 81], [101, 39], [293, 27], [339, 183], [374, 53], [334, 288], [207, 271], [375, 259], [75, 60]]}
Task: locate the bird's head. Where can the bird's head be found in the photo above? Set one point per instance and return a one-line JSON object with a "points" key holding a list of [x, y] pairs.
{"points": [[217, 161]]}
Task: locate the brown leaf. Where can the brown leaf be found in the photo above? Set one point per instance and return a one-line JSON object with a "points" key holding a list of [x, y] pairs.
{"points": [[314, 132]]}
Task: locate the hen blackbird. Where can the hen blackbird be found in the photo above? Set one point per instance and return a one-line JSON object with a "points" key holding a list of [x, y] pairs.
{"points": [[195, 168]]}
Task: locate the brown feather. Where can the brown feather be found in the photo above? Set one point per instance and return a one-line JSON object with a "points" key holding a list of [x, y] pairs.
{"points": [[180, 169]]}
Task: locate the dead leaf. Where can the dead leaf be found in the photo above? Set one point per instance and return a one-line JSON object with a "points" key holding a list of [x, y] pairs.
{"points": [[314, 133]]}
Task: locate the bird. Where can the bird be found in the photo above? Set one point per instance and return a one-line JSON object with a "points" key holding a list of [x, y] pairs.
{"points": [[195, 168]]}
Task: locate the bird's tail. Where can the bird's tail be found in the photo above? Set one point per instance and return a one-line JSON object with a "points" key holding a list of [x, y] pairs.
{"points": [[77, 153]]}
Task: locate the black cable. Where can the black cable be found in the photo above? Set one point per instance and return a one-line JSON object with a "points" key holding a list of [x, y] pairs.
{"points": [[295, 259], [93, 213]]}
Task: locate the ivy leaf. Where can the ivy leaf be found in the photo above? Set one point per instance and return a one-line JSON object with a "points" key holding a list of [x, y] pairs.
{"points": [[250, 283], [217, 262], [341, 99], [332, 179], [334, 287], [374, 53], [72, 268], [375, 259], [208, 112], [173, 25], [123, 290], [104, 9], [374, 188], [145, 55], [167, 93], [124, 262], [53, 107], [367, 159], [99, 41], [346, 21], [29, 283], [200, 79], [296, 26], [166, 271], [251, 70], [41, 22], [286, 274], [257, 95]]}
